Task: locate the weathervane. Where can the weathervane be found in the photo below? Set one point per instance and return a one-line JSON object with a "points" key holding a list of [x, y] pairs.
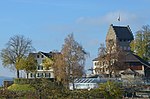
{"points": [[119, 19]]}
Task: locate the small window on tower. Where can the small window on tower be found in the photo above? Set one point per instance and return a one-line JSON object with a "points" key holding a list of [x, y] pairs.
{"points": [[124, 47], [128, 48]]}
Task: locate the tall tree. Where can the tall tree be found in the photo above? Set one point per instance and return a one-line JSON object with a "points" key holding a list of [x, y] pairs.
{"points": [[141, 44], [60, 68], [17, 47], [72, 59]]}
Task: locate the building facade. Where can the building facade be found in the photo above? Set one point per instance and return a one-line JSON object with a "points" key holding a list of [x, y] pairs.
{"points": [[41, 72]]}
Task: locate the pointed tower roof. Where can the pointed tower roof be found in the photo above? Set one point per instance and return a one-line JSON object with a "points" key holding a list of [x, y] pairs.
{"points": [[123, 32]]}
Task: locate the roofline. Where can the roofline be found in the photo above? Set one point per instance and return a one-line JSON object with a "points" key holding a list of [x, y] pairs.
{"points": [[42, 53], [148, 65], [145, 64]]}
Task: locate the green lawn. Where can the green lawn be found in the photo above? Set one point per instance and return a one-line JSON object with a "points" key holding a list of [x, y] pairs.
{"points": [[19, 87]]}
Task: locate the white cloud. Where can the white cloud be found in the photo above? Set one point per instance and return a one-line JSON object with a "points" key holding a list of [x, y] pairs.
{"points": [[111, 18]]}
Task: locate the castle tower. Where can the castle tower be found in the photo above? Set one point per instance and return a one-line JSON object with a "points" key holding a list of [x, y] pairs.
{"points": [[120, 35]]}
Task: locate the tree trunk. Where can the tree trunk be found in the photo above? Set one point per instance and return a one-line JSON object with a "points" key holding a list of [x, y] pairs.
{"points": [[17, 73]]}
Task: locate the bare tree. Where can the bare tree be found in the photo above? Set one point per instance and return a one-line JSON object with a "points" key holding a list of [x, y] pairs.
{"points": [[112, 57], [17, 47], [71, 62]]}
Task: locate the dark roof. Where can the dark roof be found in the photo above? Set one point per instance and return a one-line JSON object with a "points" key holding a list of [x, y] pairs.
{"points": [[49, 55], [123, 32], [131, 57]]}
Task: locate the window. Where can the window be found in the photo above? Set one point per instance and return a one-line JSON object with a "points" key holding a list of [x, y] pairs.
{"points": [[38, 56], [47, 75], [42, 56], [128, 48], [39, 74], [103, 63], [103, 70], [31, 75], [124, 48], [129, 41], [40, 68]]}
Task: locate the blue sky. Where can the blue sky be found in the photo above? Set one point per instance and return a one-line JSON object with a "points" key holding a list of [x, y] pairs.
{"points": [[48, 22]]}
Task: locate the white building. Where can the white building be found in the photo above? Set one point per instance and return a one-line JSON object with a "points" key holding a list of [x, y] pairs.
{"points": [[100, 67], [41, 72]]}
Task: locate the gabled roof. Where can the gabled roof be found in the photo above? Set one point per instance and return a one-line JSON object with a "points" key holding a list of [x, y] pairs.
{"points": [[131, 57], [123, 32]]}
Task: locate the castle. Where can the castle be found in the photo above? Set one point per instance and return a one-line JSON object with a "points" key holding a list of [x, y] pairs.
{"points": [[122, 37]]}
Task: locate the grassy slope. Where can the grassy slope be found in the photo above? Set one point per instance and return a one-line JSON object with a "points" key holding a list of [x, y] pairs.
{"points": [[19, 87]]}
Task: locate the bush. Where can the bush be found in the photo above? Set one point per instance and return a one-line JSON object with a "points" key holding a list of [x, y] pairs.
{"points": [[111, 90]]}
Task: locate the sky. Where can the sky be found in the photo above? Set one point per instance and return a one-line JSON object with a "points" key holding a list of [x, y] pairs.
{"points": [[48, 22]]}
